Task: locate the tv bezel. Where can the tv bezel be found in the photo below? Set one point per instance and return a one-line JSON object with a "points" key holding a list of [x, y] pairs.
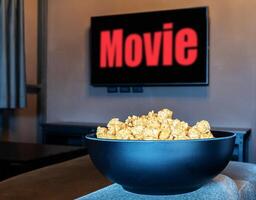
{"points": [[205, 83]]}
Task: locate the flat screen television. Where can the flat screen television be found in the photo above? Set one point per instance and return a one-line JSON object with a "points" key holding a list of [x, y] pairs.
{"points": [[167, 47]]}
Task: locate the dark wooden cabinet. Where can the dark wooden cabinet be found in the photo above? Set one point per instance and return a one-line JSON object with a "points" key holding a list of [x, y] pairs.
{"points": [[67, 133], [72, 133], [241, 143]]}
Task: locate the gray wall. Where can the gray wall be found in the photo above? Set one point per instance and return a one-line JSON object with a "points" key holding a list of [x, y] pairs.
{"points": [[229, 101]]}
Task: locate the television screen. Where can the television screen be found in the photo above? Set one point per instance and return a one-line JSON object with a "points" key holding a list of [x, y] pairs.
{"points": [[151, 48]]}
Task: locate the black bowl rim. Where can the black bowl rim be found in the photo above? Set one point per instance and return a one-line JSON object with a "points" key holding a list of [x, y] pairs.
{"points": [[92, 136]]}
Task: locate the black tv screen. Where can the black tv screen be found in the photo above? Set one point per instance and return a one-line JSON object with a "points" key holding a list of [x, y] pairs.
{"points": [[151, 48]]}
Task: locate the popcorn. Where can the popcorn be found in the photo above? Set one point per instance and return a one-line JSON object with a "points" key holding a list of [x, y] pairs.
{"points": [[164, 134], [154, 126], [165, 114], [203, 126], [193, 133], [124, 134]]}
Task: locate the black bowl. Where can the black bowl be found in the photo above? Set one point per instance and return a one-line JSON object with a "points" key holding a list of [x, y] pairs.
{"points": [[161, 167]]}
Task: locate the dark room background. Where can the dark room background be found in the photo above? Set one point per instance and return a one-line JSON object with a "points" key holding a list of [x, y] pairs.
{"points": [[228, 101]]}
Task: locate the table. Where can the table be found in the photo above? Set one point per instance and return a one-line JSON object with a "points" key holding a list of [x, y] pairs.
{"points": [[16, 157], [78, 177], [65, 180]]}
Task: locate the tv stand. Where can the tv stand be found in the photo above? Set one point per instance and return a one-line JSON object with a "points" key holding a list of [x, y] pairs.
{"points": [[73, 133], [67, 133]]}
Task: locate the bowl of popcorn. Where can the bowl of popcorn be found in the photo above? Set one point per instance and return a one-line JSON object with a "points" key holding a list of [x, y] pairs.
{"points": [[158, 154]]}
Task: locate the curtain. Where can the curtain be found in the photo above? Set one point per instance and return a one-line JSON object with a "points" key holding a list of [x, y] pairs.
{"points": [[12, 55]]}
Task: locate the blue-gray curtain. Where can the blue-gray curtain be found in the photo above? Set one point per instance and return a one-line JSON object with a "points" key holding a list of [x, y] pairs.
{"points": [[12, 55]]}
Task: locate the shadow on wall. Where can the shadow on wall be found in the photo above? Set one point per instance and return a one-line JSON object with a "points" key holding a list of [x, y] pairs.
{"points": [[161, 92]]}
